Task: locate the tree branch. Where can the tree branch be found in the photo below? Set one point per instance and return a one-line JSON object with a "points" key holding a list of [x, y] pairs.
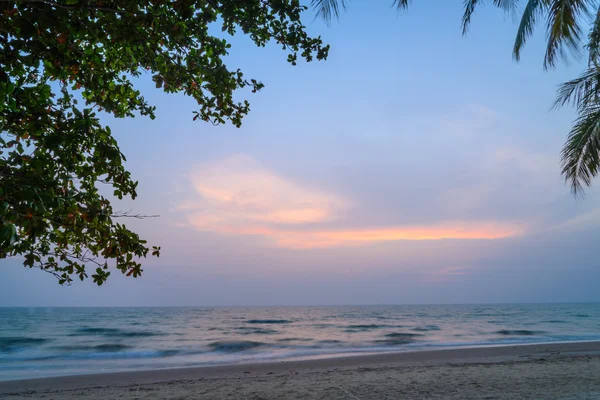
{"points": [[121, 214], [67, 7]]}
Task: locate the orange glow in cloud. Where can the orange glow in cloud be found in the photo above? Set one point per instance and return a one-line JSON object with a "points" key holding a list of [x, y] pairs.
{"points": [[237, 196], [238, 190], [452, 230]]}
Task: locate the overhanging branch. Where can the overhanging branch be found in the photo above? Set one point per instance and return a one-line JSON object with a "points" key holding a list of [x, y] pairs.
{"points": [[68, 7]]}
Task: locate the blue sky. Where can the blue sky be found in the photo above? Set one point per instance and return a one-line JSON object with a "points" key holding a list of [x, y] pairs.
{"points": [[413, 166]]}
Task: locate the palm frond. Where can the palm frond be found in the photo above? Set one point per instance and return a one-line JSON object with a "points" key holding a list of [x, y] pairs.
{"points": [[533, 10], [506, 5], [328, 9], [564, 31], [466, 19], [594, 41], [581, 153], [401, 4], [582, 92]]}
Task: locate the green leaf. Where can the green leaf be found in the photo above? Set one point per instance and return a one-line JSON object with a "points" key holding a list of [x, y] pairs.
{"points": [[55, 151]]}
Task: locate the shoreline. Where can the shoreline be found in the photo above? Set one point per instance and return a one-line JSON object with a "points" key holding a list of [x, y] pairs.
{"points": [[471, 357]]}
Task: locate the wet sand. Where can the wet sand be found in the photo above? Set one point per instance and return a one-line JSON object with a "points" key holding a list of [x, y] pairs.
{"points": [[566, 371]]}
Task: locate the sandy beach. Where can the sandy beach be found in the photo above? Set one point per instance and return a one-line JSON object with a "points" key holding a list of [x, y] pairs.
{"points": [[543, 371]]}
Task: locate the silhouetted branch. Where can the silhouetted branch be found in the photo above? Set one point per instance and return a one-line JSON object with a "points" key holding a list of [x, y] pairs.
{"points": [[127, 214]]}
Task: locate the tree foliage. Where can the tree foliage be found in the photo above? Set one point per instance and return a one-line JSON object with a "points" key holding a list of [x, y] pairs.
{"points": [[564, 20], [65, 61]]}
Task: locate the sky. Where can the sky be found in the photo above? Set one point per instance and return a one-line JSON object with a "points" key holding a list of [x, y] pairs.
{"points": [[415, 165]]}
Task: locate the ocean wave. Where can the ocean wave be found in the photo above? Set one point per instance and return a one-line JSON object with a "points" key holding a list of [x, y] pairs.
{"points": [[107, 353], [369, 326], [330, 341], [112, 340], [134, 334], [258, 331], [108, 347], [96, 331], [495, 314], [427, 328], [394, 341], [268, 321], [113, 347], [403, 335], [399, 338], [119, 354], [74, 348], [321, 326], [231, 346], [112, 332], [8, 344], [518, 332]]}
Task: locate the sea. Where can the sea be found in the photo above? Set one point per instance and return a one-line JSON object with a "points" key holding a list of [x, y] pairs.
{"points": [[45, 342]]}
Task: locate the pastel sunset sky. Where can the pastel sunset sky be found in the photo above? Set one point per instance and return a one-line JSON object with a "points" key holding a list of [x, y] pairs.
{"points": [[415, 165]]}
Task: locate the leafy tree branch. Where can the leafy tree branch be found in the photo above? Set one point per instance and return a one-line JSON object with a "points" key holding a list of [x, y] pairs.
{"points": [[64, 61]]}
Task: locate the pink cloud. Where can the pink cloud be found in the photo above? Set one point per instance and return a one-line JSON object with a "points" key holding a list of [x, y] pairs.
{"points": [[238, 196]]}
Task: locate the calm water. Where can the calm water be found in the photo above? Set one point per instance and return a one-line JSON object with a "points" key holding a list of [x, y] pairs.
{"points": [[62, 341]]}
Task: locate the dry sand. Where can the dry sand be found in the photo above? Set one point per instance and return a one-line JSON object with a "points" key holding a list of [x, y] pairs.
{"points": [[566, 371]]}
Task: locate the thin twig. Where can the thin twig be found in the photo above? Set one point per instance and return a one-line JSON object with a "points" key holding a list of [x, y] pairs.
{"points": [[127, 215]]}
